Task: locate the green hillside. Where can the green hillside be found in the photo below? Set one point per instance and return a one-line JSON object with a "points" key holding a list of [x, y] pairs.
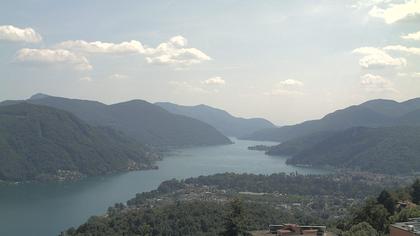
{"points": [[38, 142], [146, 122], [374, 113], [392, 150]]}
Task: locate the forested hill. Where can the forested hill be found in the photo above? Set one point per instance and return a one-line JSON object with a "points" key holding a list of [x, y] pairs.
{"points": [[39, 142], [203, 205], [223, 121], [392, 150], [374, 113], [146, 122]]}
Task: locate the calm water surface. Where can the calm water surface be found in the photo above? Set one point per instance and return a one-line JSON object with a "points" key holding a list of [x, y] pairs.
{"points": [[47, 209]]}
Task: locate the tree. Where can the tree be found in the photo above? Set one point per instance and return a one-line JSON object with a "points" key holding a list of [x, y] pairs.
{"points": [[361, 229], [145, 230], [388, 201], [405, 215], [373, 213], [415, 191], [235, 221]]}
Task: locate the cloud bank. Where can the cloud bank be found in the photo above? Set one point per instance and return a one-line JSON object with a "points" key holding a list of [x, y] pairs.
{"points": [[173, 52], [53, 57], [15, 34], [376, 83], [378, 58], [395, 12], [404, 49], [99, 47], [412, 36]]}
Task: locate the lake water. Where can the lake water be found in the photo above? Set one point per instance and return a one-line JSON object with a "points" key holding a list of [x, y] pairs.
{"points": [[47, 208]]}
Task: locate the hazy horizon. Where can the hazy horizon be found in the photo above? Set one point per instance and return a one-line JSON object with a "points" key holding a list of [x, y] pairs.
{"points": [[286, 61], [192, 104]]}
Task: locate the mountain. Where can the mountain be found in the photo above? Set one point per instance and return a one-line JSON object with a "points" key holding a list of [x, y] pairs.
{"points": [[39, 142], [146, 122], [223, 121], [294, 146], [374, 113], [411, 118], [388, 107], [391, 150]]}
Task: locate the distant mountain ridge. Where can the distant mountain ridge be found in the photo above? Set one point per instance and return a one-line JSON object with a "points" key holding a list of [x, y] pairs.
{"points": [[389, 150], [146, 122], [374, 113], [40, 142], [223, 121]]}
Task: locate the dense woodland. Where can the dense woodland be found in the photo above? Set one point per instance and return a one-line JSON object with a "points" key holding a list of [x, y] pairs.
{"points": [[165, 212], [377, 213], [390, 150], [179, 219], [38, 143], [351, 186]]}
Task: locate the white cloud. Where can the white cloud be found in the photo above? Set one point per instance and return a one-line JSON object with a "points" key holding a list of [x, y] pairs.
{"points": [[360, 4], [376, 83], [291, 83], [15, 34], [118, 76], [412, 36], [132, 46], [378, 58], [53, 57], [173, 52], [400, 48], [396, 12], [217, 80], [179, 41]]}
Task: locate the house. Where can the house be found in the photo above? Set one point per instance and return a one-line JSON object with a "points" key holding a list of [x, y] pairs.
{"points": [[295, 230], [409, 228]]}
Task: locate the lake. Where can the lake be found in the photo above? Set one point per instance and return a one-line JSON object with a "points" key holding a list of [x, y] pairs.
{"points": [[47, 208]]}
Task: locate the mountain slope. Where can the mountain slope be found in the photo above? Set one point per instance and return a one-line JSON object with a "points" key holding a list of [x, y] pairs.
{"points": [[392, 108], [391, 150], [223, 121], [147, 123], [296, 145], [162, 127], [374, 113], [411, 118], [37, 142]]}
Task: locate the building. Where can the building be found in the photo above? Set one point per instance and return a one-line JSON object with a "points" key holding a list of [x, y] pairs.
{"points": [[295, 230], [409, 228]]}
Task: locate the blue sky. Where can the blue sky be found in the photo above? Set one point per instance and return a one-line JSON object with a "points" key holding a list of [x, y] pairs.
{"points": [[287, 61]]}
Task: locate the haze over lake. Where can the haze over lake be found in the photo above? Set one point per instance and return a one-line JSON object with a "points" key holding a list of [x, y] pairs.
{"points": [[48, 208]]}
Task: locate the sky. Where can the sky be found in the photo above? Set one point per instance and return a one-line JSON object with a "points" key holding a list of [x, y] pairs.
{"points": [[287, 61]]}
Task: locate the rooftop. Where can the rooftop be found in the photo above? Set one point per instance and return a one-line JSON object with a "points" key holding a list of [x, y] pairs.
{"points": [[413, 225]]}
